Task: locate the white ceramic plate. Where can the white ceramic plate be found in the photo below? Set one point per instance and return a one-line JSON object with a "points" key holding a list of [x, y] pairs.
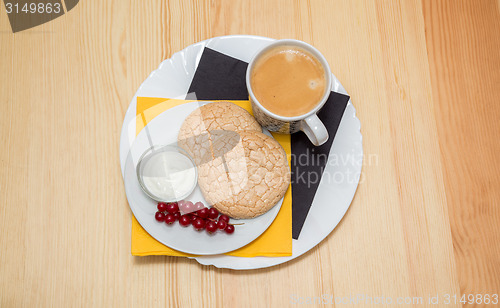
{"points": [[163, 130], [335, 191]]}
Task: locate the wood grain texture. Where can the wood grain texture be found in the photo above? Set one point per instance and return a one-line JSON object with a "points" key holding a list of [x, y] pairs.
{"points": [[423, 76], [464, 43]]}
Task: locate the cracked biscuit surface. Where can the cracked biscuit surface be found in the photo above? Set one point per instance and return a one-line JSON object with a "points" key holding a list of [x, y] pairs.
{"points": [[241, 171], [248, 175], [200, 128]]}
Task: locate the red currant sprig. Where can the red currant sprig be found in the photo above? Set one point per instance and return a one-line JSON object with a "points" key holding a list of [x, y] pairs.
{"points": [[194, 214]]}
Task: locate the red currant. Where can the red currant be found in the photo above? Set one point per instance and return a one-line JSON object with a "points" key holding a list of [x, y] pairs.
{"points": [[221, 224], [198, 206], [172, 207], [188, 207], [203, 213], [177, 215], [159, 216], [224, 217], [193, 217], [229, 229], [211, 227], [199, 224], [162, 206], [169, 219], [213, 213], [185, 220]]}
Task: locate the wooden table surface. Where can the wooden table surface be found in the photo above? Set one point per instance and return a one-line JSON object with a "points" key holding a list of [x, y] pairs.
{"points": [[424, 77]]}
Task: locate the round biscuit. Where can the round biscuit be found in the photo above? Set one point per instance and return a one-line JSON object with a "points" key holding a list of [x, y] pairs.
{"points": [[248, 175]]}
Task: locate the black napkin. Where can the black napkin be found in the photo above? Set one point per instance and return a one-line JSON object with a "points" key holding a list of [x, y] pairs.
{"points": [[219, 77]]}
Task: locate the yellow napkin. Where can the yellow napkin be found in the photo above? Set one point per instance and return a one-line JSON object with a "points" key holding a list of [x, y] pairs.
{"points": [[276, 241]]}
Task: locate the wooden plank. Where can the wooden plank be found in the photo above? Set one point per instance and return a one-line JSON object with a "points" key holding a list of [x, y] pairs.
{"points": [[463, 42]]}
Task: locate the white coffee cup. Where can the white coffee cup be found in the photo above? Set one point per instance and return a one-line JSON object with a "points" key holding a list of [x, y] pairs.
{"points": [[308, 122]]}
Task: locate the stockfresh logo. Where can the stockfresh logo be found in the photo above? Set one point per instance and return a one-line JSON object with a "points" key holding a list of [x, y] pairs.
{"points": [[31, 13]]}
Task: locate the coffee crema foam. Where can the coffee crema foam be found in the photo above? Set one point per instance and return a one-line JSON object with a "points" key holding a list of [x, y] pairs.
{"points": [[288, 81]]}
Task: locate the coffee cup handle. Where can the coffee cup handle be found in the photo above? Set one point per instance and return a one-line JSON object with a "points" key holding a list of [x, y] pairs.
{"points": [[314, 129]]}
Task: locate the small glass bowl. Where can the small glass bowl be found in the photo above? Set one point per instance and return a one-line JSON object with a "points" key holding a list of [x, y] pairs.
{"points": [[147, 155]]}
